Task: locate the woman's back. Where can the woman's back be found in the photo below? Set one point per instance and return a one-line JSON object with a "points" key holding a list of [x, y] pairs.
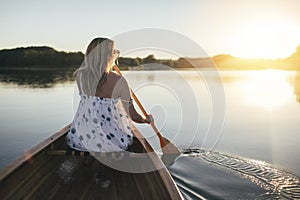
{"points": [[109, 88], [101, 123], [104, 116]]}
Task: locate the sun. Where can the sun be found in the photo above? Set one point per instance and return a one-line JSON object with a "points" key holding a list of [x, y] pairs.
{"points": [[265, 38]]}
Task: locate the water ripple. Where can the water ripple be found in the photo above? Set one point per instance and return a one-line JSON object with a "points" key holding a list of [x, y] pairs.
{"points": [[281, 184]]}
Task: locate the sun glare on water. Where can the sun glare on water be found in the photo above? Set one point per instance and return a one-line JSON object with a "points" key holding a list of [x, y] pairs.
{"points": [[268, 88]]}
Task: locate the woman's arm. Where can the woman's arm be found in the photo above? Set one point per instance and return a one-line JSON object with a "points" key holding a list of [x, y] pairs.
{"points": [[128, 104], [136, 117]]}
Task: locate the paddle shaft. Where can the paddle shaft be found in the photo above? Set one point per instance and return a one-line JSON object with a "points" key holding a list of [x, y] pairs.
{"points": [[161, 140]]}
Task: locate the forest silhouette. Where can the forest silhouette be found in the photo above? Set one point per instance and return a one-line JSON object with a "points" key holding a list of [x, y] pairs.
{"points": [[45, 57]]}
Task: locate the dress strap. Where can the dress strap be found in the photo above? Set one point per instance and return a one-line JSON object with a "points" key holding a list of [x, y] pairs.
{"points": [[127, 101], [79, 82]]}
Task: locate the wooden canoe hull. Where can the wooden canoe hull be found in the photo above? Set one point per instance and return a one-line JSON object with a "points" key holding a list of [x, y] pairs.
{"points": [[38, 175]]}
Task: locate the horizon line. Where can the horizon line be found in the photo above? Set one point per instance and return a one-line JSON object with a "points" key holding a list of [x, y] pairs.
{"points": [[208, 56]]}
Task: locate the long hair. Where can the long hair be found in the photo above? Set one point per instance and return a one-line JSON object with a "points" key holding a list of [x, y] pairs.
{"points": [[96, 65]]}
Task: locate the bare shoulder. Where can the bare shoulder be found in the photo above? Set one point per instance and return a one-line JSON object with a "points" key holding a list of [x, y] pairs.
{"points": [[114, 75], [118, 78]]}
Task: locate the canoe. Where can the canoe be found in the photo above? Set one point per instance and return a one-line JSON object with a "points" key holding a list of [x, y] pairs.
{"points": [[46, 172]]}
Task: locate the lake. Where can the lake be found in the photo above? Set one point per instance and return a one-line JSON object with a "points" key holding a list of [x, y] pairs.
{"points": [[249, 114]]}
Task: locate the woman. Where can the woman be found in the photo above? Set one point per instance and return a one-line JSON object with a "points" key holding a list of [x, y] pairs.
{"points": [[104, 116]]}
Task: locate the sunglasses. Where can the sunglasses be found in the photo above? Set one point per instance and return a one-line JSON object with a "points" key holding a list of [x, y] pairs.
{"points": [[116, 52]]}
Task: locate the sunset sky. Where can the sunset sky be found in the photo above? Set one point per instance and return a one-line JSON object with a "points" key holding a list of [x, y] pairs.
{"points": [[243, 28]]}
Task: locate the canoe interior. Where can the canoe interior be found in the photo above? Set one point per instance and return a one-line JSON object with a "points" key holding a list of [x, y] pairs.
{"points": [[46, 176]]}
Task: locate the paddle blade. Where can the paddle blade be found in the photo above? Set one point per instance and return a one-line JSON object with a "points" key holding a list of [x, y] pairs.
{"points": [[170, 152]]}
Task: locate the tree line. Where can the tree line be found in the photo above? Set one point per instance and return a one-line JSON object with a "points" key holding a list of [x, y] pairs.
{"points": [[38, 56], [43, 56]]}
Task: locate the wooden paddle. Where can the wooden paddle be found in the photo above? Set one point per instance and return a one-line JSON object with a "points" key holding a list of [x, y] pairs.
{"points": [[170, 151]]}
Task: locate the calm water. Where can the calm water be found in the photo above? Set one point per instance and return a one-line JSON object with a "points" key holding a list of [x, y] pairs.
{"points": [[242, 116]]}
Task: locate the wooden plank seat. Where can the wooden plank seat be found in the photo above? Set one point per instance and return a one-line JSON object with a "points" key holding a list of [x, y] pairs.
{"points": [[116, 154]]}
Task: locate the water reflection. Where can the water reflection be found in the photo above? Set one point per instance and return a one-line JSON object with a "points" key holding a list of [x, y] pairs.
{"points": [[267, 88], [250, 130], [36, 78], [297, 86]]}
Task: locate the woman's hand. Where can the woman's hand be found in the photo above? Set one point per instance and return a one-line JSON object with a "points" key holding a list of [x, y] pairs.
{"points": [[149, 119]]}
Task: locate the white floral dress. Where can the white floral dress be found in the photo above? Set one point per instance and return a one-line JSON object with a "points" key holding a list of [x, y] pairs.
{"points": [[100, 125]]}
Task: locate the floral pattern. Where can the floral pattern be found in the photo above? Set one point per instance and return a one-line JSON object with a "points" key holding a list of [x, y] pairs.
{"points": [[100, 125]]}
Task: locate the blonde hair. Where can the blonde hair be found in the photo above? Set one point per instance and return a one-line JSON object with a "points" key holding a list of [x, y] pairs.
{"points": [[95, 67]]}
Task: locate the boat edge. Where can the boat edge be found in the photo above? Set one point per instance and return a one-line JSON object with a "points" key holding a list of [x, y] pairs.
{"points": [[9, 169]]}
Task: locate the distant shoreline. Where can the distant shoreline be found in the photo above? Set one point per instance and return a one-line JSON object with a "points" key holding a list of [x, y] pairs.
{"points": [[46, 57]]}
